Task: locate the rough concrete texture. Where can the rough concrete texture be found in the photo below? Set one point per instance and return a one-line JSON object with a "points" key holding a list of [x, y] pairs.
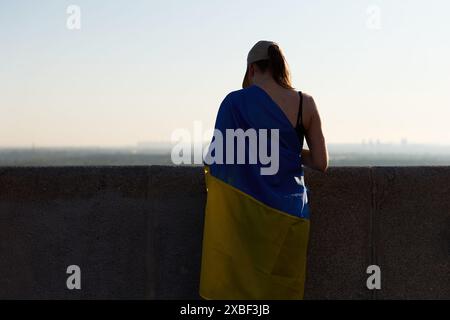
{"points": [[136, 232], [412, 236], [339, 248]]}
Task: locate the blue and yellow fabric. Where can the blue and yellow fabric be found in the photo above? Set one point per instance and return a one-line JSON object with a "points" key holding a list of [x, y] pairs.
{"points": [[256, 226]]}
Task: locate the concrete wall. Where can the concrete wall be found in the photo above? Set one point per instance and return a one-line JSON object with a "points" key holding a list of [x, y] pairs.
{"points": [[136, 232]]}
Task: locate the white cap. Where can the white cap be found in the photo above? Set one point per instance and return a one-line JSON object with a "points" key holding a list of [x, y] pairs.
{"points": [[260, 51]]}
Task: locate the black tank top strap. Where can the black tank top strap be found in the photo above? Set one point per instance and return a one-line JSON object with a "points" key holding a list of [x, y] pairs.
{"points": [[299, 125]]}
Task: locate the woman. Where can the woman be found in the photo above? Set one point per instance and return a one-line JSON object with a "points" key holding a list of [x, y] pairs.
{"points": [[257, 225]]}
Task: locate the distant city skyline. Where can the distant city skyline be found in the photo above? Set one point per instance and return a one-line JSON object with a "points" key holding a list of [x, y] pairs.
{"points": [[138, 71], [152, 145]]}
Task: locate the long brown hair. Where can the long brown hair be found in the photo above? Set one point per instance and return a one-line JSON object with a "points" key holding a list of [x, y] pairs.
{"points": [[277, 65]]}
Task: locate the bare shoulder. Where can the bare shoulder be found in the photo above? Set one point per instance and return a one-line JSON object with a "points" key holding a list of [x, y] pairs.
{"points": [[308, 102], [310, 111]]}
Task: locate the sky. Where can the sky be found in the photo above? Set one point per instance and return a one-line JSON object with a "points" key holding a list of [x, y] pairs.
{"points": [[138, 70]]}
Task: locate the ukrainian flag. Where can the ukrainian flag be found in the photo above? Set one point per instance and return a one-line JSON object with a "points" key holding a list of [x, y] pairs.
{"points": [[256, 226]]}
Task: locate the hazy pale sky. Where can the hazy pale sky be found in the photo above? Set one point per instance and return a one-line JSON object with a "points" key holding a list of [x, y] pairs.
{"points": [[137, 70]]}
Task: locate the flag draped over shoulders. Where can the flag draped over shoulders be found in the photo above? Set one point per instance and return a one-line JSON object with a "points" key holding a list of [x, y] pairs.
{"points": [[256, 226]]}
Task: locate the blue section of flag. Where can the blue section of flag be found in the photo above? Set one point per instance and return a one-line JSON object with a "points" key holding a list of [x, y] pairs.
{"points": [[285, 191]]}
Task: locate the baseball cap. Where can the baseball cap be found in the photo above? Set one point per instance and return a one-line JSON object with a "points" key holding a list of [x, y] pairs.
{"points": [[260, 51]]}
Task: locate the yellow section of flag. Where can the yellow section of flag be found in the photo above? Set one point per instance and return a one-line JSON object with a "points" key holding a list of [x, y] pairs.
{"points": [[250, 250]]}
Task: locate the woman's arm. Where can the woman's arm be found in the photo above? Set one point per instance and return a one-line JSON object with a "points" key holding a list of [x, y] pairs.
{"points": [[317, 156]]}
